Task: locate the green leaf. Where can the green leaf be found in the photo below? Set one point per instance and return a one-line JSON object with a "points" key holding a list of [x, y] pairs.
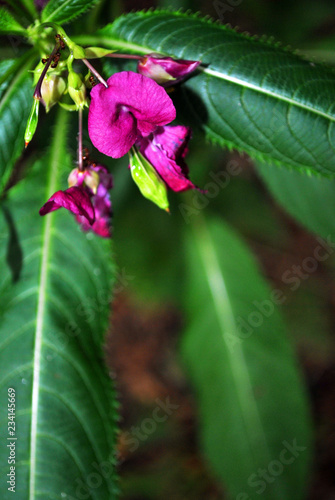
{"points": [[64, 11], [9, 25], [251, 400], [310, 200], [16, 98], [251, 95], [55, 288]]}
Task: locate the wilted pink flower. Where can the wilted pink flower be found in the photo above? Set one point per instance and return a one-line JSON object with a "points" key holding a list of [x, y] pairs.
{"points": [[88, 198], [132, 106], [165, 70], [75, 199], [166, 149], [101, 202]]}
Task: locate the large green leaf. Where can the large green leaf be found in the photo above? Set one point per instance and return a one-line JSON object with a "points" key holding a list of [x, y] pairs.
{"points": [[15, 102], [251, 400], [8, 23], [310, 200], [63, 11], [55, 287], [252, 95]]}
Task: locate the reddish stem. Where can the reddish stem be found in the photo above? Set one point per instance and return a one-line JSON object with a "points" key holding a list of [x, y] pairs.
{"points": [[37, 93], [80, 140], [95, 73], [124, 56]]}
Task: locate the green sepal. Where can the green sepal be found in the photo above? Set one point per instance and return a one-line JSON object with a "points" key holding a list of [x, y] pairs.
{"points": [[32, 122], [97, 52], [78, 52], [147, 180], [68, 107], [77, 89]]}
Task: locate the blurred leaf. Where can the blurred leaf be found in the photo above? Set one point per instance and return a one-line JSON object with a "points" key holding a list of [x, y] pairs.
{"points": [[251, 400], [252, 95], [53, 320], [310, 200], [64, 11], [8, 24], [16, 97]]}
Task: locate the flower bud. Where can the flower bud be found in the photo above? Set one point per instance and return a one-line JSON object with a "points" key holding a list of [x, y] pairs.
{"points": [[165, 70], [52, 89], [32, 122], [77, 89], [147, 180]]}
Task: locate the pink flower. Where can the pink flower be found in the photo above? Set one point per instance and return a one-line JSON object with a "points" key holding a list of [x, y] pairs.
{"points": [[101, 203], [166, 149], [88, 198], [132, 106], [165, 70], [136, 110], [75, 199]]}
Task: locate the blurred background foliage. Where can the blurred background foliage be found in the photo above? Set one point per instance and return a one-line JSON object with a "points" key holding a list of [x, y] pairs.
{"points": [[148, 320], [143, 344]]}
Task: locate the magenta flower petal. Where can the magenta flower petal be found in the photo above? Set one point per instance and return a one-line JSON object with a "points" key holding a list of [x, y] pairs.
{"points": [[75, 199], [166, 70], [132, 105], [166, 150]]}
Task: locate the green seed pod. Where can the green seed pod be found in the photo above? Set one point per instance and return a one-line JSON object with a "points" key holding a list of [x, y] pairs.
{"points": [[147, 180], [52, 89], [32, 122]]}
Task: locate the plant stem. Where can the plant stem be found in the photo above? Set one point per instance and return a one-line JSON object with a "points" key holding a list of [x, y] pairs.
{"points": [[124, 56], [80, 140], [37, 93], [95, 73]]}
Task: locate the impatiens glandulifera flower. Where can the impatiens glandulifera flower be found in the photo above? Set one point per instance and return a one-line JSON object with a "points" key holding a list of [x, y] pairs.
{"points": [[147, 179], [166, 149], [165, 70], [88, 198], [75, 199], [132, 106], [100, 199]]}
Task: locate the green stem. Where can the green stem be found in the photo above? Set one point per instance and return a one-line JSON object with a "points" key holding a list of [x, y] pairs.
{"points": [[111, 43]]}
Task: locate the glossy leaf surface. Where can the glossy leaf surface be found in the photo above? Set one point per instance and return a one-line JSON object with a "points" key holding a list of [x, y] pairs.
{"points": [[15, 102], [63, 11], [55, 289], [251, 401], [251, 95]]}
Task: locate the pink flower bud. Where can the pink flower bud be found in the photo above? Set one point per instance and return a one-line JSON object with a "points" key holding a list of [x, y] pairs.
{"points": [[165, 70]]}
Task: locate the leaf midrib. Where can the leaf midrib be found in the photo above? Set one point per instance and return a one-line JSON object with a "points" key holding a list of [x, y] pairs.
{"points": [[62, 6], [117, 43], [54, 162], [226, 320]]}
